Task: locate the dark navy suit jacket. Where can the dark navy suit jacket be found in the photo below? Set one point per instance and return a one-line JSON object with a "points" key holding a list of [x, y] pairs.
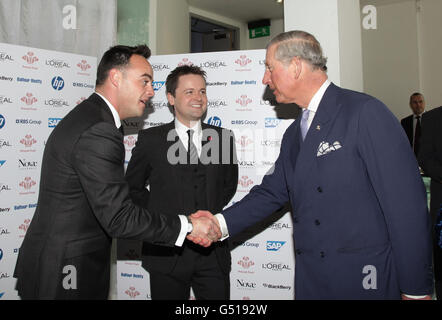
{"points": [[361, 223]]}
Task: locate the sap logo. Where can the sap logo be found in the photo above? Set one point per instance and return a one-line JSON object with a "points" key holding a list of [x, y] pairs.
{"points": [[272, 122], [2, 162], [214, 121], [2, 121], [157, 85], [57, 83], [274, 245], [52, 122]]}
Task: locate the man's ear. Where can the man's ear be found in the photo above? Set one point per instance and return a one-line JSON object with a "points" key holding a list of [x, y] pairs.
{"points": [[296, 65], [170, 99], [115, 77]]}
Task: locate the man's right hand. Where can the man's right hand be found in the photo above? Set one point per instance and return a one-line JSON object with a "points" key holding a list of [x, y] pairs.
{"points": [[205, 228]]}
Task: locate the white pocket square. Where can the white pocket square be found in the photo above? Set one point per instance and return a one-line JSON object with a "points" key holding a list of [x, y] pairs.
{"points": [[325, 147]]}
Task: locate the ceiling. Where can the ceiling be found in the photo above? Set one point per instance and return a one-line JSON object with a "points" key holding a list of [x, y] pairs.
{"points": [[241, 10]]}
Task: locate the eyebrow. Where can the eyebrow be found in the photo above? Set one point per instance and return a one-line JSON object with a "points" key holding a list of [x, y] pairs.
{"points": [[146, 75]]}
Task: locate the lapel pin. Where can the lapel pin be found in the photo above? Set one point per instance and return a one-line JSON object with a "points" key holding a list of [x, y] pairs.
{"points": [[318, 127]]}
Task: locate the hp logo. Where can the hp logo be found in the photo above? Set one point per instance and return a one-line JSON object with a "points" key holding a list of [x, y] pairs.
{"points": [[57, 83], [2, 121], [214, 121]]}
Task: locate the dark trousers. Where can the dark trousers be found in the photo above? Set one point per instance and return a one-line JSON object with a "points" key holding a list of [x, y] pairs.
{"points": [[198, 268]]}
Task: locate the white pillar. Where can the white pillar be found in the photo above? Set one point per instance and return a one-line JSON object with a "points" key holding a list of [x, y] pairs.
{"points": [[337, 26]]}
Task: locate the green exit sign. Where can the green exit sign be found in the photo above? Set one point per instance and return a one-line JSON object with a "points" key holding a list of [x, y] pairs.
{"points": [[259, 32]]}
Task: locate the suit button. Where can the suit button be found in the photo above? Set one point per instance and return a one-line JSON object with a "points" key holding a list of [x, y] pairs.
{"points": [[319, 189], [322, 254], [317, 222], [298, 251]]}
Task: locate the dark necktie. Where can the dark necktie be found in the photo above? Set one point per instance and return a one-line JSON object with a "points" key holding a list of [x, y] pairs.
{"points": [[417, 135], [191, 149]]}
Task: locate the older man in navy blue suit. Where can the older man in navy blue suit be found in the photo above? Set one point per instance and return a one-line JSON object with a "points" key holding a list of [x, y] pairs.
{"points": [[361, 224]]}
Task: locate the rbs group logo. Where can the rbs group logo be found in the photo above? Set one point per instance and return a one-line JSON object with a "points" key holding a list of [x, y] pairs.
{"points": [[2, 121], [274, 245], [57, 83]]}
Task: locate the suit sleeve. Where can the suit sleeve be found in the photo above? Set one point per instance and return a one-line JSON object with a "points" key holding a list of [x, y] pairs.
{"points": [[427, 157], [98, 158], [231, 173], [394, 175], [262, 200], [138, 171]]}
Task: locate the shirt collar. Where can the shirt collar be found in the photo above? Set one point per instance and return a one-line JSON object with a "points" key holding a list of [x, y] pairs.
{"points": [[182, 129], [314, 103], [113, 110]]}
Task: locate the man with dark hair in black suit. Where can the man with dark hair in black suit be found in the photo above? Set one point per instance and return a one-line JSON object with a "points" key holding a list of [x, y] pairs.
{"points": [[430, 159], [193, 167], [413, 123], [84, 200]]}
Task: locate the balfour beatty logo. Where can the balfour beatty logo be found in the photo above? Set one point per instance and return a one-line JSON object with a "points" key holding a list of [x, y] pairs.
{"points": [[274, 245]]}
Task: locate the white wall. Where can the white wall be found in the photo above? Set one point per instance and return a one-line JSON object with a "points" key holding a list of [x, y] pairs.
{"points": [[276, 27], [390, 55], [429, 30], [172, 27]]}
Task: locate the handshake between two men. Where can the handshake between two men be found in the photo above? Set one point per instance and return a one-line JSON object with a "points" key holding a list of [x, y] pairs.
{"points": [[206, 229]]}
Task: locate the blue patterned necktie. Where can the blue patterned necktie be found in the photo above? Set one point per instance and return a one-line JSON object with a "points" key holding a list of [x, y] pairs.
{"points": [[304, 123]]}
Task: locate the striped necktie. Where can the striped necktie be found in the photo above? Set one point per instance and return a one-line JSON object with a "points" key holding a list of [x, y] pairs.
{"points": [[191, 149]]}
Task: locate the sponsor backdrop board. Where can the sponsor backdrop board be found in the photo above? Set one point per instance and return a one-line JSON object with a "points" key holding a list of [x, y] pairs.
{"points": [[263, 259], [37, 89]]}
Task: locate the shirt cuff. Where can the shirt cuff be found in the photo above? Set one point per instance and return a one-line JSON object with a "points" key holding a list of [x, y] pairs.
{"points": [[414, 297], [183, 232], [223, 226]]}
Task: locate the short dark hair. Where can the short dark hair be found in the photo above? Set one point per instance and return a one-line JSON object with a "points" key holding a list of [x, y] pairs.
{"points": [[416, 94], [175, 74], [118, 57]]}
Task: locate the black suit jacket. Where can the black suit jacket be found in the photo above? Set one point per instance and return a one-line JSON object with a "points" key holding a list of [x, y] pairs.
{"points": [[149, 165], [83, 202], [407, 124], [430, 156]]}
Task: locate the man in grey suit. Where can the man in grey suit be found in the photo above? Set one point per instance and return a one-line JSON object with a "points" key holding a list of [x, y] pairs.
{"points": [[84, 200]]}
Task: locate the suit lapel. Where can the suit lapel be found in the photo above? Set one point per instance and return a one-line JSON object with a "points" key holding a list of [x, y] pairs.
{"points": [[211, 169], [318, 132]]}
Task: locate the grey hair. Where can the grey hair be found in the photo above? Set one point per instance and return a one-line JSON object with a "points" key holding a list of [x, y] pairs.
{"points": [[300, 44]]}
